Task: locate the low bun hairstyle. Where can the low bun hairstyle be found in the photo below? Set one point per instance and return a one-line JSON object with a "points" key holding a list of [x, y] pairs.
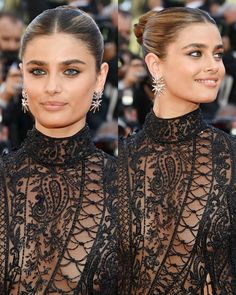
{"points": [[157, 29]]}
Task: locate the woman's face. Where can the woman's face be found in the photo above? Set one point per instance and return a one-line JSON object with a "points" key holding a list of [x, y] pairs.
{"points": [[60, 78], [193, 68]]}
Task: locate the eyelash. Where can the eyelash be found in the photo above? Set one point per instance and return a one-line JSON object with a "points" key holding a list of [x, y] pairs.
{"points": [[218, 55], [67, 72], [75, 72], [37, 72]]}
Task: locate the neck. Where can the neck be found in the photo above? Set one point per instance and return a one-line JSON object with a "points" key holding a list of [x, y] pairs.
{"points": [[165, 108], [60, 132]]}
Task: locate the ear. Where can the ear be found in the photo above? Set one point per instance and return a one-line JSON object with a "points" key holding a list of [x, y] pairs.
{"points": [[101, 78], [153, 63]]}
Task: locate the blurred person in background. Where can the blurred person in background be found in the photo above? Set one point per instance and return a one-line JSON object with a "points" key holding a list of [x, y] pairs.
{"points": [[108, 25], [58, 191], [11, 29], [134, 92], [156, 5], [230, 19], [177, 176], [124, 28], [225, 119]]}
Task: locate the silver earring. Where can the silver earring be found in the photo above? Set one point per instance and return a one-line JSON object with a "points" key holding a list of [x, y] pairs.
{"points": [[96, 103], [24, 101], [158, 85]]}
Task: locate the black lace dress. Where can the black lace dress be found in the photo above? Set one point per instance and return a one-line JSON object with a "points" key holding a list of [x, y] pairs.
{"points": [[175, 220], [57, 218]]}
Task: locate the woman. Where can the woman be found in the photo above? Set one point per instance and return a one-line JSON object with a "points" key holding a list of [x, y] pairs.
{"points": [[178, 172], [58, 190]]}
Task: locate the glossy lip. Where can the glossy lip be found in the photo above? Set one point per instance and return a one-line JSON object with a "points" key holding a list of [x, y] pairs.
{"points": [[53, 105]]}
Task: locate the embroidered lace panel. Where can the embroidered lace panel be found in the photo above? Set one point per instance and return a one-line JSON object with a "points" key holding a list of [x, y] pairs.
{"points": [[174, 215], [58, 218]]}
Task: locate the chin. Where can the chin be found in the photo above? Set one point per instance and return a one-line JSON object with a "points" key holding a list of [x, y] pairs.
{"points": [[208, 100], [205, 99]]}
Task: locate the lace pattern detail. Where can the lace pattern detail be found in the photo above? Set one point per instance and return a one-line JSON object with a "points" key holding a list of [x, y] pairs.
{"points": [[179, 216], [61, 198], [179, 129], [57, 151]]}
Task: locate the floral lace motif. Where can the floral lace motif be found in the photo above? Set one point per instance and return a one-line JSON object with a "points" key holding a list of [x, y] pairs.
{"points": [[174, 217], [58, 231]]}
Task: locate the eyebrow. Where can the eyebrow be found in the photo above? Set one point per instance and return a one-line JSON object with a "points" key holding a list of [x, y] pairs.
{"points": [[202, 46], [66, 62]]}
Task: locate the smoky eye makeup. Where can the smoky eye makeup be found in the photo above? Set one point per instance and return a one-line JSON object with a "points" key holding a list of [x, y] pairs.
{"points": [[71, 72], [37, 71]]}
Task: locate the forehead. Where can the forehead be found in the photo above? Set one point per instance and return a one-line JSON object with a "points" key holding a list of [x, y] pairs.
{"points": [[56, 47], [205, 33]]}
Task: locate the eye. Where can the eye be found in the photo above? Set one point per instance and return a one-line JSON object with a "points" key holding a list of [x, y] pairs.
{"points": [[195, 53], [218, 55], [37, 72], [71, 72]]}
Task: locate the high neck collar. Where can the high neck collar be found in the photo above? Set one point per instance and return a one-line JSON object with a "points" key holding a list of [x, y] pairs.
{"points": [[59, 151], [175, 129]]}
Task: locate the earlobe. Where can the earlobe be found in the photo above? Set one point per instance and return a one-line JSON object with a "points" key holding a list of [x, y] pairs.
{"points": [[152, 61]]}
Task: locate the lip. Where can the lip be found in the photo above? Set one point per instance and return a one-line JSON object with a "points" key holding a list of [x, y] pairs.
{"points": [[53, 105], [209, 82]]}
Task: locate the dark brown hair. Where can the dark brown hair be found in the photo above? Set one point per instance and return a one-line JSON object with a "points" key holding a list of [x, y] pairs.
{"points": [[156, 30], [68, 20]]}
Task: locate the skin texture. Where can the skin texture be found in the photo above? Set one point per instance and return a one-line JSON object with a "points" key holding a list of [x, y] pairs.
{"points": [[192, 73], [60, 78]]}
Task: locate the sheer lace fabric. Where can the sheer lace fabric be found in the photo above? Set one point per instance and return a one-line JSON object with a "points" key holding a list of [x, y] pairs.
{"points": [[57, 219], [175, 217]]}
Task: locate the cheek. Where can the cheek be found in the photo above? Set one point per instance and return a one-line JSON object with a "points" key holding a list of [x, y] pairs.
{"points": [[79, 94], [178, 77], [34, 93]]}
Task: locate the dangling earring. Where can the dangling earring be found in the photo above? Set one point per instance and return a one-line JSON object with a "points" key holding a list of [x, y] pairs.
{"points": [[24, 101], [96, 103], [158, 85]]}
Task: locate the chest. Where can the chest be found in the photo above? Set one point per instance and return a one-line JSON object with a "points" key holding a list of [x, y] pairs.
{"points": [[55, 218]]}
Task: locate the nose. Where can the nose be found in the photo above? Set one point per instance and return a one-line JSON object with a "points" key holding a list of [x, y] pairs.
{"points": [[212, 66], [53, 84], [212, 70]]}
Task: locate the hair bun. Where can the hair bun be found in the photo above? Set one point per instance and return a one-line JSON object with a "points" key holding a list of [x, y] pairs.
{"points": [[138, 31], [139, 28]]}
